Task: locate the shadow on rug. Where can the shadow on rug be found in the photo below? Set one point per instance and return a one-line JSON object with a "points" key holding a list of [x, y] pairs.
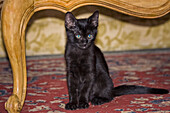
{"points": [[47, 89]]}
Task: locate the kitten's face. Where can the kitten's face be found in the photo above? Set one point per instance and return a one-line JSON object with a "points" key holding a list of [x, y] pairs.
{"points": [[81, 32]]}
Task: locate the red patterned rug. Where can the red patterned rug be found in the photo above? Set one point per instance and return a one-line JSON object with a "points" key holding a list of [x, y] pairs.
{"points": [[47, 90]]}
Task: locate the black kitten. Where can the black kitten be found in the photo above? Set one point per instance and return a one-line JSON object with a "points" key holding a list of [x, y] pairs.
{"points": [[88, 77]]}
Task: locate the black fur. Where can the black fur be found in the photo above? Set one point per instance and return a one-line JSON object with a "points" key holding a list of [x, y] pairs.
{"points": [[88, 77]]}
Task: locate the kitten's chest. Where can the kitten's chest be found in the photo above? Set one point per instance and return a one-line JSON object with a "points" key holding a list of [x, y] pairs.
{"points": [[82, 66], [80, 60]]}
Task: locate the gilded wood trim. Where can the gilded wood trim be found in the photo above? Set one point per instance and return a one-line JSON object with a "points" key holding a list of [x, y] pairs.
{"points": [[147, 11], [14, 22]]}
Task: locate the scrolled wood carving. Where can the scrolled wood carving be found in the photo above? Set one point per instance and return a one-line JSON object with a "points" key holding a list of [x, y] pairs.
{"points": [[138, 8]]}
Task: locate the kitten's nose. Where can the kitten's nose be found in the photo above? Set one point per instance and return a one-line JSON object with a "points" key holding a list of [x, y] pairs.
{"points": [[84, 41]]}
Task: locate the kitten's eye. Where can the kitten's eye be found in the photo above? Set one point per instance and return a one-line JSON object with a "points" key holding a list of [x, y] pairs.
{"points": [[90, 36], [78, 36]]}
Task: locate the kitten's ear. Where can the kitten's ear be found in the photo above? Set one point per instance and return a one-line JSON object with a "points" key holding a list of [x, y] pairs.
{"points": [[70, 20], [93, 20]]}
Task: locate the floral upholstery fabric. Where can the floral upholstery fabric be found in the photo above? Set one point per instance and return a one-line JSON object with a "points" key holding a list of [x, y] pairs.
{"points": [[46, 32]]}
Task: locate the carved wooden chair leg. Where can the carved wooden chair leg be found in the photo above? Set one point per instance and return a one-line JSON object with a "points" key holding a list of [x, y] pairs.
{"points": [[13, 28]]}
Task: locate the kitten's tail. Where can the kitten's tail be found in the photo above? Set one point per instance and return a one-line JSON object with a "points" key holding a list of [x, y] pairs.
{"points": [[133, 89]]}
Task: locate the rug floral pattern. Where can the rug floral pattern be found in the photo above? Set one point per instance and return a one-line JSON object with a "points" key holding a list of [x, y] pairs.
{"points": [[47, 90]]}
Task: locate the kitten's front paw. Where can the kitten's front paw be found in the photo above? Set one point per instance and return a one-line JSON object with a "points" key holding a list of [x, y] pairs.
{"points": [[83, 105], [71, 106]]}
